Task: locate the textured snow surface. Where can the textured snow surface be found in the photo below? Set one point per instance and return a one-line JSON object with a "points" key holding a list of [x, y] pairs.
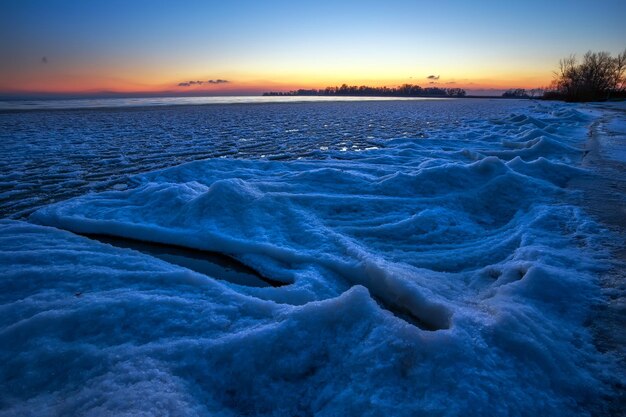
{"points": [[448, 275], [48, 156]]}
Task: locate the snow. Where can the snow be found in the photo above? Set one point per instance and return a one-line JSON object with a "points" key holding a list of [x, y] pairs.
{"points": [[48, 156], [447, 275]]}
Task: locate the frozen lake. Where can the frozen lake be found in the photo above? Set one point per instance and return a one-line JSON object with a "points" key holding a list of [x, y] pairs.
{"points": [[400, 258], [50, 155]]}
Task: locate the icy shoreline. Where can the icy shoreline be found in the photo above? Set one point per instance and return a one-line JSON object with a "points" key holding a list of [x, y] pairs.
{"points": [[604, 197], [451, 276]]}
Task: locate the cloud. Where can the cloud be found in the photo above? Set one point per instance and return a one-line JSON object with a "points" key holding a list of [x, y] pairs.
{"points": [[432, 77], [192, 83], [451, 82], [44, 60]]}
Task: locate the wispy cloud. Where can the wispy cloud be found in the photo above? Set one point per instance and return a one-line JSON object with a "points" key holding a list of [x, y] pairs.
{"points": [[197, 82], [44, 60], [432, 77]]}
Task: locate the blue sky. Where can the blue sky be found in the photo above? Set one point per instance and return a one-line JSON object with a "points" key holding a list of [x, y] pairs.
{"points": [[256, 45]]}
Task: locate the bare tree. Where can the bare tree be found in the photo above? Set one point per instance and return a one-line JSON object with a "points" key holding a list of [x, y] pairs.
{"points": [[598, 76], [619, 79]]}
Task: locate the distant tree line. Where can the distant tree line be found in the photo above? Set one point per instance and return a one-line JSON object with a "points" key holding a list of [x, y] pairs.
{"points": [[515, 93], [599, 76], [405, 90], [522, 93]]}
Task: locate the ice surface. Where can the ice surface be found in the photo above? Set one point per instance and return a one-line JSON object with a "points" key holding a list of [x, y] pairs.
{"points": [[117, 103], [48, 156], [448, 275]]}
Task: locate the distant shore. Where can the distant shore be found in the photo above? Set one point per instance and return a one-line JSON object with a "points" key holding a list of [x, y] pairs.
{"points": [[136, 102]]}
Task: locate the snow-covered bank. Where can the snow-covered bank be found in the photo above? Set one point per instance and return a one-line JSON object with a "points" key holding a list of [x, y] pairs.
{"points": [[604, 197], [449, 275]]}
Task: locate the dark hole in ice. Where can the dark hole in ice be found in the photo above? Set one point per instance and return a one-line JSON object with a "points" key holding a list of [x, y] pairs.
{"points": [[405, 314], [214, 264]]}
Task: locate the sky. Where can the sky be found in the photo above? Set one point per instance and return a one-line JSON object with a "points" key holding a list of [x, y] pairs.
{"points": [[248, 47]]}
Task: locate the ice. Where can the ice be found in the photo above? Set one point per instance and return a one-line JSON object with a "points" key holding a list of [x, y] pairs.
{"points": [[58, 154], [448, 275]]}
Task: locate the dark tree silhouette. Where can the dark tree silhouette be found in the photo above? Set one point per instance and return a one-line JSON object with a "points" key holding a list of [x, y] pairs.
{"points": [[598, 77], [516, 93], [405, 90]]}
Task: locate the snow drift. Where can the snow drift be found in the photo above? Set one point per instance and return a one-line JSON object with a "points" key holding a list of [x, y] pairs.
{"points": [[446, 276]]}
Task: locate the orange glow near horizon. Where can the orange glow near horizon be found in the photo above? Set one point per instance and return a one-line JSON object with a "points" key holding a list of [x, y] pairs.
{"points": [[87, 47], [244, 83]]}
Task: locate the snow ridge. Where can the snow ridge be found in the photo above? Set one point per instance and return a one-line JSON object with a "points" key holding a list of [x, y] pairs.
{"points": [[439, 275]]}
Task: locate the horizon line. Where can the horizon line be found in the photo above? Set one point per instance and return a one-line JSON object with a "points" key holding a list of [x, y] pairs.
{"points": [[43, 95]]}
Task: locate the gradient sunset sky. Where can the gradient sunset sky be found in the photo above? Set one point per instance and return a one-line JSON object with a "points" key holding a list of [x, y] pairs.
{"points": [[90, 46]]}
